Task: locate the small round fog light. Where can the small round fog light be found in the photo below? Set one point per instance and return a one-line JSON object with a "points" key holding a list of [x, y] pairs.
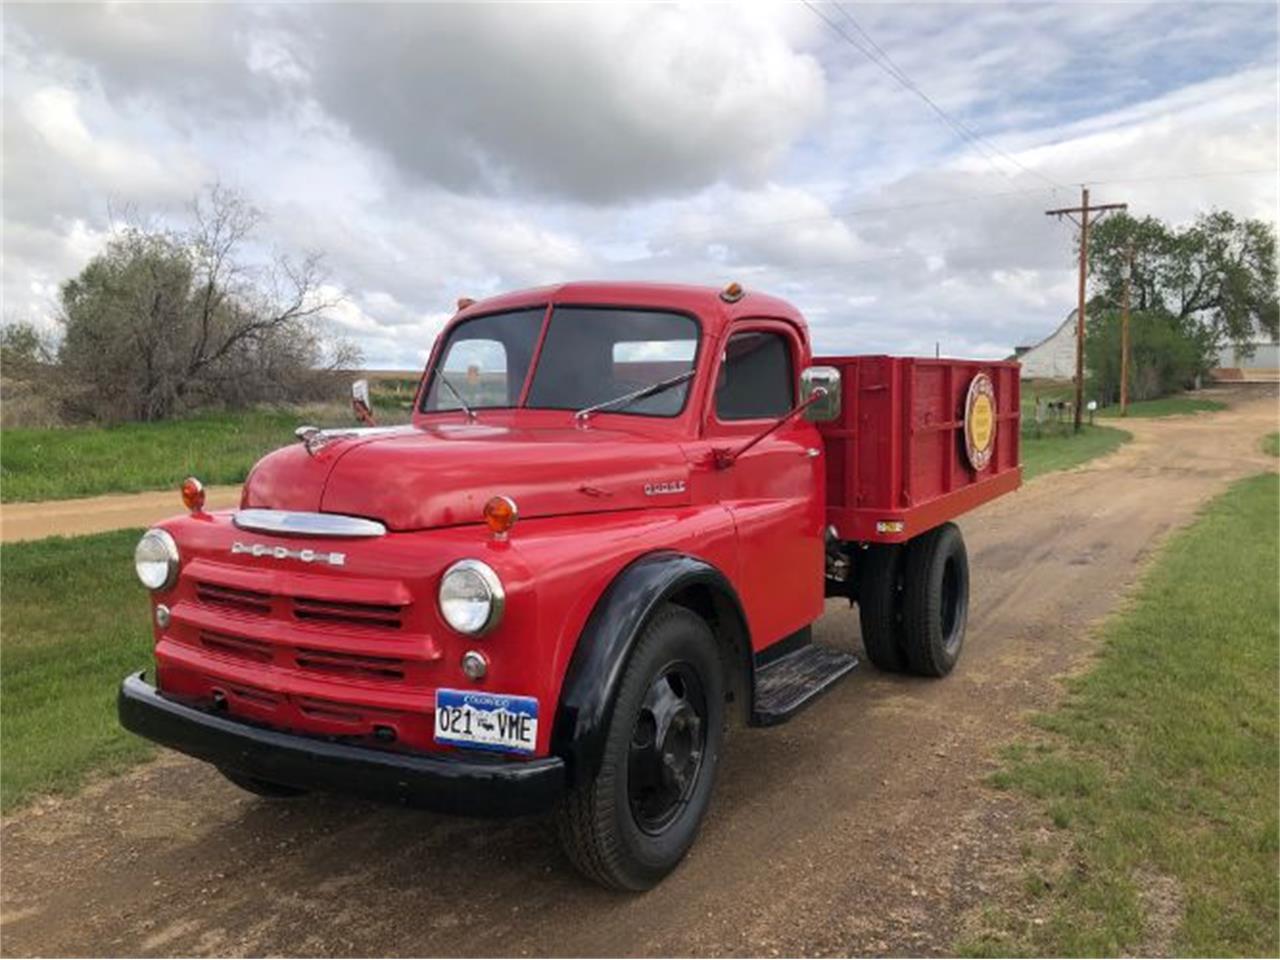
{"points": [[475, 664], [162, 616]]}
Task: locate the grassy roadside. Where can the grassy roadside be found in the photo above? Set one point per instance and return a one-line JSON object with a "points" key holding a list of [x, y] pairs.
{"points": [[1166, 407], [1271, 444], [1159, 771], [58, 464], [1060, 449], [75, 622]]}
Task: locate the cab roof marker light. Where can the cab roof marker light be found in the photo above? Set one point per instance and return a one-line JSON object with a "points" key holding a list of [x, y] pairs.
{"points": [[732, 292]]}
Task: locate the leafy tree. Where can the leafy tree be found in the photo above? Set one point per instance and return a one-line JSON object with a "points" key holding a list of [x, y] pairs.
{"points": [[1162, 358], [1214, 280], [162, 321], [23, 347]]}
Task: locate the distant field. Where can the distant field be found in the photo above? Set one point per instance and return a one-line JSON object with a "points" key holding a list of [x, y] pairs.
{"points": [[60, 463]]}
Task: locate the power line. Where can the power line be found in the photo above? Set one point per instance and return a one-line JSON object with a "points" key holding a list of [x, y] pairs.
{"points": [[880, 59], [1186, 176], [841, 213], [724, 231]]}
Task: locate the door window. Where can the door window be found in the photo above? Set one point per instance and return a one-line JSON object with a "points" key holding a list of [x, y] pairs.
{"points": [[756, 380]]}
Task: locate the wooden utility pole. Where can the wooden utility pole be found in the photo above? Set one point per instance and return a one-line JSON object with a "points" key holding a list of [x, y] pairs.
{"points": [[1124, 331], [1083, 210]]}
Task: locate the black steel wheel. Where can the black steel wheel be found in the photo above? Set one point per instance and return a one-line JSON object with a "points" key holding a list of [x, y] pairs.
{"points": [[631, 822], [936, 600], [260, 787], [880, 601], [668, 740]]}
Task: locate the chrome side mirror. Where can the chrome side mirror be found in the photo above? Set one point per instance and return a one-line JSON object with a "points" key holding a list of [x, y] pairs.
{"points": [[826, 380], [360, 392], [360, 402]]}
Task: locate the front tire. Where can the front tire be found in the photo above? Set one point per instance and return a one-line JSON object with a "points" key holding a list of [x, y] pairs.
{"points": [[936, 600], [631, 823]]}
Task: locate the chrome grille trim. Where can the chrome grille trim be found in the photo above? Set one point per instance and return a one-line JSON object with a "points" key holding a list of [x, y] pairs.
{"points": [[296, 523]]}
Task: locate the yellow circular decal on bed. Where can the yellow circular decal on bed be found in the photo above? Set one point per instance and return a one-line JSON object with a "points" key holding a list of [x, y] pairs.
{"points": [[980, 421]]}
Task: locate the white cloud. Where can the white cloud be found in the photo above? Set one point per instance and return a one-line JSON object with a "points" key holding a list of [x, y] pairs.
{"points": [[435, 151]]}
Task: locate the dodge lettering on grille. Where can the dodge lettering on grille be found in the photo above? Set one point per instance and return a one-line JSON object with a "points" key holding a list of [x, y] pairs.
{"points": [[284, 553]]}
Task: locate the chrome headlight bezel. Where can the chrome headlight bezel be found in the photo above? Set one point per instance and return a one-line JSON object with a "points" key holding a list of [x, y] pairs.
{"points": [[477, 572], [167, 554]]}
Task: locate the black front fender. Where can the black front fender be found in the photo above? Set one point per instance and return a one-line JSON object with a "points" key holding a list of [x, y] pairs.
{"points": [[595, 671]]}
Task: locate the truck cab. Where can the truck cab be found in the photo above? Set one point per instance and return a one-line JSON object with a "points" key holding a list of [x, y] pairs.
{"points": [[605, 534]]}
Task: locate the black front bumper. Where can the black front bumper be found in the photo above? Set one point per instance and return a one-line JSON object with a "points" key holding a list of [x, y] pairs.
{"points": [[469, 787]]}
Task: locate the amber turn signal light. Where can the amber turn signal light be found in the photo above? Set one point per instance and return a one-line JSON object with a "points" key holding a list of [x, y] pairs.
{"points": [[500, 514], [193, 494]]}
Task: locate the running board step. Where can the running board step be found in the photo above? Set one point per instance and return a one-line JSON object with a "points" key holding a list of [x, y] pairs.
{"points": [[785, 685]]}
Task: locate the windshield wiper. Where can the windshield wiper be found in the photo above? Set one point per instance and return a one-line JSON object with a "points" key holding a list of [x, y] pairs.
{"points": [[471, 414], [634, 395]]}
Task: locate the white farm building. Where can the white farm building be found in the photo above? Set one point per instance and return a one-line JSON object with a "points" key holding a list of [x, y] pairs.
{"points": [[1054, 357]]}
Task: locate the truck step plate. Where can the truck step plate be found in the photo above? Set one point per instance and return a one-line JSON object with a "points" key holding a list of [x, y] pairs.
{"points": [[793, 681]]}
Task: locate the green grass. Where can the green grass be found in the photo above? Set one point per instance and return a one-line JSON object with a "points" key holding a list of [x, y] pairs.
{"points": [[1166, 407], [1159, 772], [75, 622], [1271, 444], [1171, 406], [1058, 448], [57, 464]]}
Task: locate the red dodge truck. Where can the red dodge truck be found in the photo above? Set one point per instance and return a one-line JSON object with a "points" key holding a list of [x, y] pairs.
{"points": [[609, 528]]}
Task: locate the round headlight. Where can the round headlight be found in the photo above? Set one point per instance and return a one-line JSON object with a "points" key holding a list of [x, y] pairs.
{"points": [[156, 560], [471, 597]]}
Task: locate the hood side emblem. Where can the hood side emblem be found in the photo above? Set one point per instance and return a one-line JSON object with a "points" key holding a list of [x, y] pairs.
{"points": [[664, 487]]}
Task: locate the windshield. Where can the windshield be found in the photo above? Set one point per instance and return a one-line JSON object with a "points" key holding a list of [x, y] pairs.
{"points": [[486, 361], [591, 355]]}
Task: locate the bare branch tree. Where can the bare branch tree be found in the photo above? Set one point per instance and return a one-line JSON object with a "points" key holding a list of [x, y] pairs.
{"points": [[165, 320]]}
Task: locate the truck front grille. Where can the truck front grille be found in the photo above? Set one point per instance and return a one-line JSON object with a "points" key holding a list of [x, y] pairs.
{"points": [[309, 659], [359, 614], [322, 628], [308, 609], [218, 595], [350, 664], [242, 648]]}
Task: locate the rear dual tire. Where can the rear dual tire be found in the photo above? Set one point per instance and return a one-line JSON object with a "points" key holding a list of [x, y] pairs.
{"points": [[913, 603]]}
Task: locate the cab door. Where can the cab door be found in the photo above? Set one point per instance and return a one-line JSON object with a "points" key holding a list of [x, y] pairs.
{"points": [[774, 490]]}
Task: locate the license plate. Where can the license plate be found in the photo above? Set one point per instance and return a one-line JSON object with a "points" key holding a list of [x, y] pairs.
{"points": [[486, 721]]}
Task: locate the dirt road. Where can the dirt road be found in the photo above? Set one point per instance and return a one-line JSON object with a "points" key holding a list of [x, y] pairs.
{"points": [[72, 518], [861, 827]]}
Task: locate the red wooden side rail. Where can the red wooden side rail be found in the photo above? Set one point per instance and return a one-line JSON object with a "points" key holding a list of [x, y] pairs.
{"points": [[896, 458]]}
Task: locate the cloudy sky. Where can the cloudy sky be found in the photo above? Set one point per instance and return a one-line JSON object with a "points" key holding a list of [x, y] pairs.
{"points": [[434, 151]]}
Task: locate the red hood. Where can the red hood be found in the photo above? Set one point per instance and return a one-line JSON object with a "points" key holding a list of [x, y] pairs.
{"points": [[442, 475]]}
